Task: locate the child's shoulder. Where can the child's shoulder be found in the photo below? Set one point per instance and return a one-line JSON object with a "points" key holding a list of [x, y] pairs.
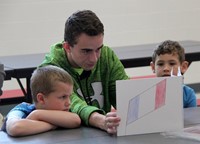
{"points": [[25, 107], [188, 90]]}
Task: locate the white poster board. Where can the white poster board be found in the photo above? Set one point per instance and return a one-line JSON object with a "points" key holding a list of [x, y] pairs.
{"points": [[149, 105]]}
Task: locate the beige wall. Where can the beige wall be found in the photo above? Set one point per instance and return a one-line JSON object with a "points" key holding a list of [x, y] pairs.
{"points": [[31, 26]]}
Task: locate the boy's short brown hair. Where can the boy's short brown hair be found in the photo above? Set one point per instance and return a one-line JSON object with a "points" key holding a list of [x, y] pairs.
{"points": [[169, 47], [44, 78]]}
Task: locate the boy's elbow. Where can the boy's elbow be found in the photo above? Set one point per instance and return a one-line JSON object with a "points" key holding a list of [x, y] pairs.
{"points": [[70, 121], [76, 122], [15, 130]]}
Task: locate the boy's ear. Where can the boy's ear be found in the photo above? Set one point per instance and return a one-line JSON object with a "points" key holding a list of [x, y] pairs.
{"points": [[152, 66], [40, 98], [184, 66], [66, 46]]}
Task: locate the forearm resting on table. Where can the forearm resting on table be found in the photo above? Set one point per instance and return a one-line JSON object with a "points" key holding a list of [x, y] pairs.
{"points": [[109, 123], [97, 120], [23, 127], [59, 118]]}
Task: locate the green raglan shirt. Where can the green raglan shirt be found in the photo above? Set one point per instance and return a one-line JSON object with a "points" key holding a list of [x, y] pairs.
{"points": [[94, 90]]}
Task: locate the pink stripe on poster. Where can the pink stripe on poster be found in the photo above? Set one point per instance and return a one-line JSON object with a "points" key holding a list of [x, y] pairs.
{"points": [[160, 94]]}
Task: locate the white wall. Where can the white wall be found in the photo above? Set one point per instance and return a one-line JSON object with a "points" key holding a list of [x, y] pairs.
{"points": [[31, 26]]}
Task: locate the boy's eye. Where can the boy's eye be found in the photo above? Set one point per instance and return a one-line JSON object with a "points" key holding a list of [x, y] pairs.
{"points": [[63, 97], [172, 63], [160, 64]]}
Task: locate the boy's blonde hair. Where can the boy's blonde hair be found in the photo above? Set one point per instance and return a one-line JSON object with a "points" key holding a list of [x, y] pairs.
{"points": [[44, 78], [169, 47]]}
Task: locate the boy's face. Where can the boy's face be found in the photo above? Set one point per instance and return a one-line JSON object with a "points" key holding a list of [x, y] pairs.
{"points": [[165, 63], [86, 52], [59, 99]]}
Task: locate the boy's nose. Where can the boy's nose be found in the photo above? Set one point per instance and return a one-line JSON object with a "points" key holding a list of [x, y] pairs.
{"points": [[68, 102], [167, 68]]}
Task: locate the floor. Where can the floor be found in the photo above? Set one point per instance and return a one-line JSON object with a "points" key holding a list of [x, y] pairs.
{"points": [[4, 109]]}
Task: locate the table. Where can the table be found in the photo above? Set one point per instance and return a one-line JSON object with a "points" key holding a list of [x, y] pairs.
{"points": [[86, 135], [9, 73], [141, 55], [22, 66]]}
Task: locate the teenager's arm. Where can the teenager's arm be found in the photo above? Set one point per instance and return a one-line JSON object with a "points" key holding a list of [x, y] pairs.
{"points": [[22, 127], [59, 118], [109, 122]]}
